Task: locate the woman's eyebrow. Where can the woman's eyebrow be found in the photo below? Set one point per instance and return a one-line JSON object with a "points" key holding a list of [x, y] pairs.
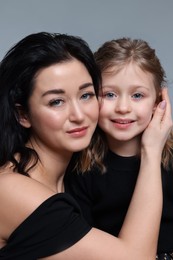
{"points": [[53, 91], [61, 91], [86, 85]]}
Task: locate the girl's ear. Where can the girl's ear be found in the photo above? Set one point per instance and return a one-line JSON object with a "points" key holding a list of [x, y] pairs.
{"points": [[154, 108], [158, 100], [23, 117]]}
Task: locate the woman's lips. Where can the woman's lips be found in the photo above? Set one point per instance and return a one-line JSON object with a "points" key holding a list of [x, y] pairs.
{"points": [[78, 132]]}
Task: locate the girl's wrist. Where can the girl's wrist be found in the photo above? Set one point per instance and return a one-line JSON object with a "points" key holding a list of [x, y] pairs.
{"points": [[151, 153]]}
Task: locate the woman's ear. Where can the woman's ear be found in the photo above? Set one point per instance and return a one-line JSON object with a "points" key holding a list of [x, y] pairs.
{"points": [[22, 116]]}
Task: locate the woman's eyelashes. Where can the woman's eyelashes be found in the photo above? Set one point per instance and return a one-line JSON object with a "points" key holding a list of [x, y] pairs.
{"points": [[88, 95], [57, 102]]}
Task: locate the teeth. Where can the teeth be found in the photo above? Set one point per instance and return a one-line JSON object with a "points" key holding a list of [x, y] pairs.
{"points": [[122, 122]]}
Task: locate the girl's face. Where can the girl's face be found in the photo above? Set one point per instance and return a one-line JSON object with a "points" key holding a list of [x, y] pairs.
{"points": [[63, 108], [127, 103]]}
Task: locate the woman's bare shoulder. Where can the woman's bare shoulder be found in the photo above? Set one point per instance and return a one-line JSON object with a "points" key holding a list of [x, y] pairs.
{"points": [[17, 184], [19, 197]]}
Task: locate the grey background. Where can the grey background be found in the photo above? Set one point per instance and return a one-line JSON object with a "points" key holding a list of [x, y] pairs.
{"points": [[94, 20]]}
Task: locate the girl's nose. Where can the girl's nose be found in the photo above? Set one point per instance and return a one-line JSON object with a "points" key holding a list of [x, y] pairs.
{"points": [[123, 105]]}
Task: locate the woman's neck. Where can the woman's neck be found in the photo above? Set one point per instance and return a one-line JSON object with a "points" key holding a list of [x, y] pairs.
{"points": [[51, 167]]}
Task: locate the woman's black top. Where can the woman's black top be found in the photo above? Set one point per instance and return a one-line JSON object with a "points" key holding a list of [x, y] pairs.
{"points": [[53, 227]]}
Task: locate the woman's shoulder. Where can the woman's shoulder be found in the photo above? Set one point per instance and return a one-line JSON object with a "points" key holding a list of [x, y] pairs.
{"points": [[53, 217], [14, 185], [19, 197]]}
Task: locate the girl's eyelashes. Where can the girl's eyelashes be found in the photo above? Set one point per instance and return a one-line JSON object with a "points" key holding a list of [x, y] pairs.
{"points": [[109, 95], [137, 96], [113, 95]]}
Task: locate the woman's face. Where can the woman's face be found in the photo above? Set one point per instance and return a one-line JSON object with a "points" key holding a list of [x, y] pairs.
{"points": [[128, 100], [63, 107]]}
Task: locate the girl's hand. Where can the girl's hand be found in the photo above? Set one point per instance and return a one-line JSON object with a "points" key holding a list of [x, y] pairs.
{"points": [[158, 130]]}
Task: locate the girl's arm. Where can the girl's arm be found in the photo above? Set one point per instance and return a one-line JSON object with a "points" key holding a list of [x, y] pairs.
{"points": [[138, 236]]}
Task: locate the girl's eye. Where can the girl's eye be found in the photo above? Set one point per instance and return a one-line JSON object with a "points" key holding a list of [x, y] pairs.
{"points": [[109, 95], [87, 96], [137, 96], [56, 102]]}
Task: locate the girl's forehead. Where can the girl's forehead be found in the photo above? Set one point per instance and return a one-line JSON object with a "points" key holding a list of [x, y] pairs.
{"points": [[129, 76], [116, 66], [127, 69]]}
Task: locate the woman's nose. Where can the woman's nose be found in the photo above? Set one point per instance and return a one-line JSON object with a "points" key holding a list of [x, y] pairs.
{"points": [[76, 113]]}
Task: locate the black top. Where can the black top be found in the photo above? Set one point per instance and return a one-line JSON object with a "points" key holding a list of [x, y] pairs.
{"points": [[104, 198], [54, 226]]}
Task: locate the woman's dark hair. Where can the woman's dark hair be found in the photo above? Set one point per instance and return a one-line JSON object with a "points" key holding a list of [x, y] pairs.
{"points": [[18, 70]]}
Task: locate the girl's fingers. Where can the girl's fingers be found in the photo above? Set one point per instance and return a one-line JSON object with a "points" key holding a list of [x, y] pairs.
{"points": [[165, 96], [162, 114], [161, 124]]}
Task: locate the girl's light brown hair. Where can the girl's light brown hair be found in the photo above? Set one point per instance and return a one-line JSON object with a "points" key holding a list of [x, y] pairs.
{"points": [[115, 54]]}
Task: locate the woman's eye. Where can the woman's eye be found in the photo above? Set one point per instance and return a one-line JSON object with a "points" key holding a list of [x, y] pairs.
{"points": [[137, 96], [56, 102], [87, 96]]}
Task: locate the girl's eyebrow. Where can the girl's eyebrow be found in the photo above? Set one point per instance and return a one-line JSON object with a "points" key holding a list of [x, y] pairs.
{"points": [[138, 87], [133, 86], [61, 91]]}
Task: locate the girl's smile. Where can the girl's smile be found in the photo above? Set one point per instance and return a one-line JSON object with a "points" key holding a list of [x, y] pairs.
{"points": [[127, 104]]}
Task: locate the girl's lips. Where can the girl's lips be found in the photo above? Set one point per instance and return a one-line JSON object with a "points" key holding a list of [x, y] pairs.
{"points": [[122, 123]]}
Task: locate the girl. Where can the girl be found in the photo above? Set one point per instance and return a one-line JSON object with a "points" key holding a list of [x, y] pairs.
{"points": [[48, 111], [132, 80]]}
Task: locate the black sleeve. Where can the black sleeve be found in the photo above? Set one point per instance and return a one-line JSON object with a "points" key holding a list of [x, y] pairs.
{"points": [[54, 226], [80, 187]]}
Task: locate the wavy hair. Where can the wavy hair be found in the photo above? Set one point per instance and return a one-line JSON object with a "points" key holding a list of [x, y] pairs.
{"points": [[18, 70], [115, 54]]}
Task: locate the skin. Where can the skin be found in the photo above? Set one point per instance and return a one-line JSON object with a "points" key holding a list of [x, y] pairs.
{"points": [[127, 105], [55, 140], [61, 122], [64, 97]]}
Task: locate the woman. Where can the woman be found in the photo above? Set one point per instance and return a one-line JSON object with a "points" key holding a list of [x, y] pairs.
{"points": [[48, 111]]}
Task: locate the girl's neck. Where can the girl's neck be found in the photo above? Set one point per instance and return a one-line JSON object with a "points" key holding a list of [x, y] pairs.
{"points": [[125, 148]]}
